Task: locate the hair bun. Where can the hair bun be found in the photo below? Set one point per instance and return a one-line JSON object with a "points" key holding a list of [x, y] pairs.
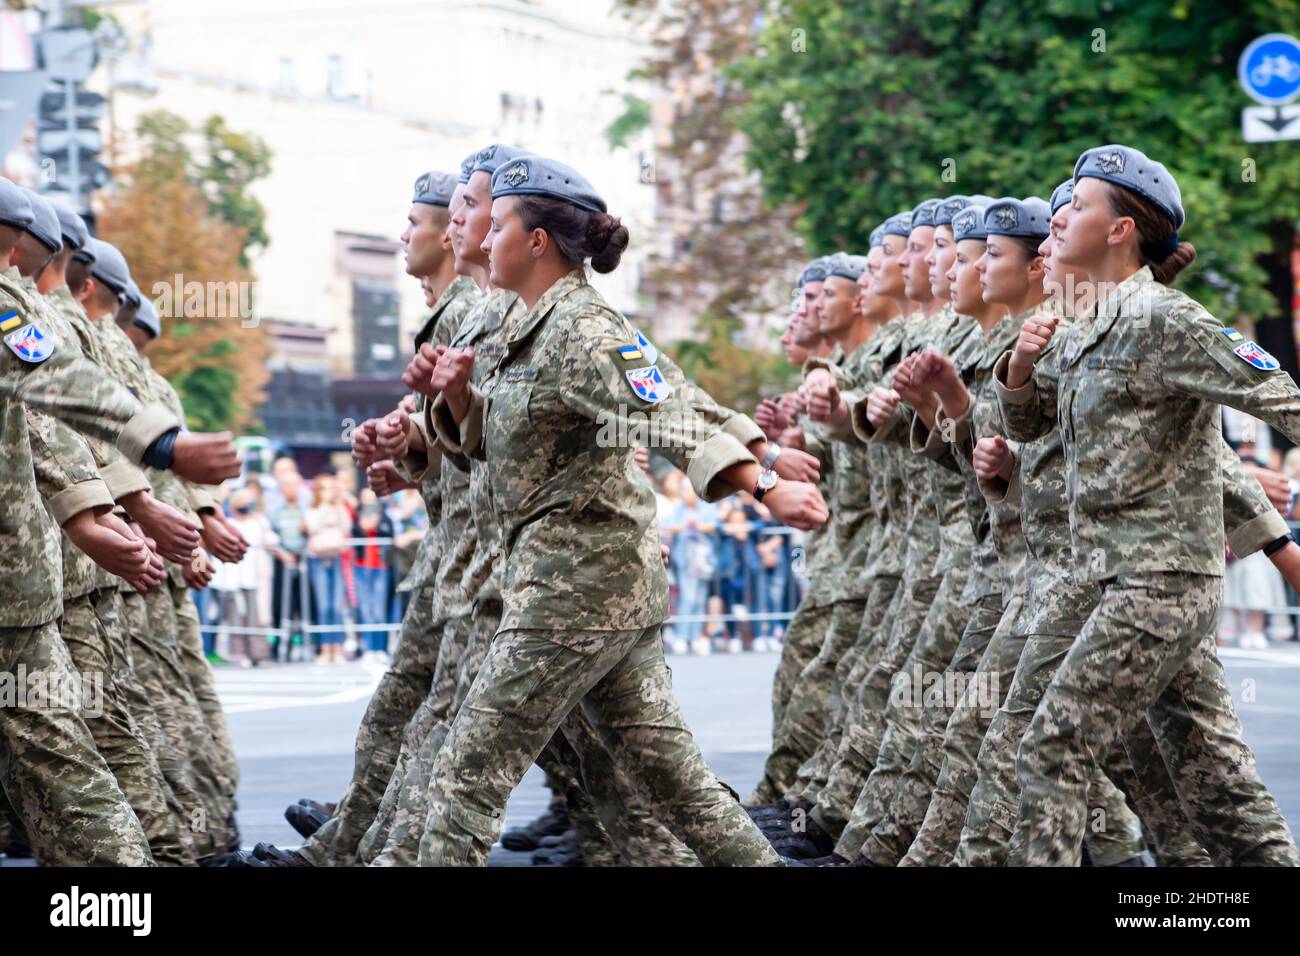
{"points": [[607, 238]]}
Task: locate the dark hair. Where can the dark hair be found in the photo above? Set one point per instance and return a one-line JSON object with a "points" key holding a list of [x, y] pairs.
{"points": [[578, 234], [1154, 229], [77, 274], [1028, 245]]}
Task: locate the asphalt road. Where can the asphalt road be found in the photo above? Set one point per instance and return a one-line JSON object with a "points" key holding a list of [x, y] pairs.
{"points": [[294, 728]]}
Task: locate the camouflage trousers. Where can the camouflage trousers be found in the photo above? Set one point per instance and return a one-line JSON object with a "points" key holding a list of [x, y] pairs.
{"points": [[1062, 604], [149, 623], [826, 765], [611, 820], [806, 714], [70, 807], [846, 620], [529, 683], [803, 639], [909, 647], [401, 690], [393, 837], [117, 735], [189, 636], [1147, 649], [876, 799]]}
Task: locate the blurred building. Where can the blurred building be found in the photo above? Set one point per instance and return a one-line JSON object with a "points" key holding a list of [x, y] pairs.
{"points": [[355, 100]]}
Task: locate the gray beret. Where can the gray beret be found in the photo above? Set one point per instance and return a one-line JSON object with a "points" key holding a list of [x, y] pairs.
{"points": [[434, 189], [979, 199], [923, 214], [1134, 170], [1025, 218], [467, 168], [948, 208], [877, 237], [1061, 195], [846, 266], [815, 271], [15, 207], [969, 224], [109, 266], [131, 294], [71, 225], [147, 318], [538, 176], [899, 225], [44, 226], [492, 158]]}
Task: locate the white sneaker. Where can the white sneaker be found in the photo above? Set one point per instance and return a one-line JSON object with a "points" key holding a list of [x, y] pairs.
{"points": [[678, 646], [759, 645], [702, 646], [1255, 641], [735, 645]]}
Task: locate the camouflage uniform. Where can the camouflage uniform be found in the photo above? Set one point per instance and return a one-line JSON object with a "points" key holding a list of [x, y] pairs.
{"points": [[1058, 604], [409, 677], [152, 633], [583, 586], [927, 810], [64, 461], [1137, 401], [927, 612], [71, 807]]}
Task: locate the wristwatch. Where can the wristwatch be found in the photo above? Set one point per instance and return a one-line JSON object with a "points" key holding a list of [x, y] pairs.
{"points": [[766, 482], [773, 453]]}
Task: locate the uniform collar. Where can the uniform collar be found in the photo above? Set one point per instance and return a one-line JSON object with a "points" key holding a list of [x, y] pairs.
{"points": [[1121, 295], [563, 287]]}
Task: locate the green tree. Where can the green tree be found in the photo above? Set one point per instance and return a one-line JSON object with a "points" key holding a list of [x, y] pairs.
{"points": [[219, 161], [732, 257], [858, 108]]}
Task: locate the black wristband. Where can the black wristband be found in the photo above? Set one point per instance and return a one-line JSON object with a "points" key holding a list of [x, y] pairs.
{"points": [[1273, 547], [159, 454]]}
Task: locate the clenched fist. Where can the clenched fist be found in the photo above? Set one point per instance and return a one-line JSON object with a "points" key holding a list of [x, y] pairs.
{"points": [[992, 459], [419, 371], [881, 405], [1034, 336], [797, 504]]}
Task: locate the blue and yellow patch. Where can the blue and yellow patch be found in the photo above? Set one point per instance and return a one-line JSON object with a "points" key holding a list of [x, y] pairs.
{"points": [[630, 353], [10, 321], [1232, 335]]}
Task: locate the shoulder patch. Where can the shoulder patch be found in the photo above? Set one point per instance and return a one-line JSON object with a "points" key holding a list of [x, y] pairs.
{"points": [[1232, 335], [630, 353], [643, 343], [31, 343], [1252, 354], [648, 384], [10, 320]]}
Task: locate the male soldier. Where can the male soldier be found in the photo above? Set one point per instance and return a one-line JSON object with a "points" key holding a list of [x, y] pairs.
{"points": [[410, 675], [117, 735], [150, 619], [71, 809], [139, 320]]}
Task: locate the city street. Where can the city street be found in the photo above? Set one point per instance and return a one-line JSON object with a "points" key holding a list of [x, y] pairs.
{"points": [[294, 728]]}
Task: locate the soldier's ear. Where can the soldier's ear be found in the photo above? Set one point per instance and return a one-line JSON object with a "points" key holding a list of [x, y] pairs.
{"points": [[541, 241]]}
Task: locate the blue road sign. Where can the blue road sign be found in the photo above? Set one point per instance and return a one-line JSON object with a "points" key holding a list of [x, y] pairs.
{"points": [[1269, 69]]}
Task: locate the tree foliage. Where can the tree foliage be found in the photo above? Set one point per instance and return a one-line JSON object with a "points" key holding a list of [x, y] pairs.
{"points": [[175, 238], [857, 107], [732, 256]]}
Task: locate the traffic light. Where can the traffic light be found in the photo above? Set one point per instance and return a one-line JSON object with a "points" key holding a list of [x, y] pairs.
{"points": [[67, 131]]}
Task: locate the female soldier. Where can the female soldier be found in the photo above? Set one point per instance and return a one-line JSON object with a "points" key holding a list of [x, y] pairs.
{"points": [[583, 581], [1136, 397], [1058, 602]]}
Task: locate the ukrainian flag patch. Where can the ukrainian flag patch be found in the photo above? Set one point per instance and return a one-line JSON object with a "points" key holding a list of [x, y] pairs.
{"points": [[630, 353]]}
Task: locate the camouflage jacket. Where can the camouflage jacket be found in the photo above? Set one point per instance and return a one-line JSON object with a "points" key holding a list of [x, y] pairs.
{"points": [[72, 389], [449, 312], [1135, 393], [578, 532]]}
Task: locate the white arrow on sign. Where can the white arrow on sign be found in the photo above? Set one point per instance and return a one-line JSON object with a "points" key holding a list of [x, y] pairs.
{"points": [[1270, 124]]}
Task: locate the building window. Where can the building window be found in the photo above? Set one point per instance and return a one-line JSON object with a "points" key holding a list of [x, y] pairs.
{"points": [[287, 84], [334, 77], [376, 328]]}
